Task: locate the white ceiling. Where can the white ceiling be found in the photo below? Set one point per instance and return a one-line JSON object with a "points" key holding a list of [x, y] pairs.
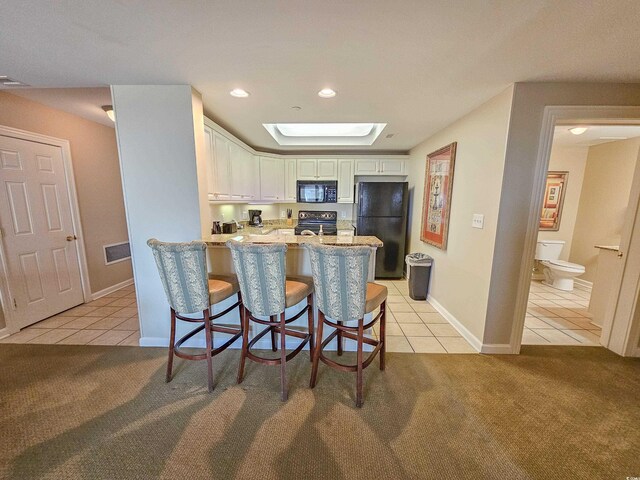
{"points": [[417, 65], [595, 135]]}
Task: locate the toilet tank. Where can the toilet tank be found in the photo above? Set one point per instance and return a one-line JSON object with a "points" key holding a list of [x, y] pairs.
{"points": [[549, 249]]}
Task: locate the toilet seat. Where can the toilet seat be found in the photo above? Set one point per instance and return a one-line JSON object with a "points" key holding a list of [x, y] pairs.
{"points": [[567, 266]]}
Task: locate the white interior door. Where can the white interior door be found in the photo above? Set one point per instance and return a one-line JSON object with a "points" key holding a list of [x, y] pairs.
{"points": [[37, 231]]}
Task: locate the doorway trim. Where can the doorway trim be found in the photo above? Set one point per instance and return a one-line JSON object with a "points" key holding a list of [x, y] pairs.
{"points": [[5, 289], [553, 115]]}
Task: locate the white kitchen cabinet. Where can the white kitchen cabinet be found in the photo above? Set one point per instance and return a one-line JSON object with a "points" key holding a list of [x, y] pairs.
{"points": [[271, 179], [380, 167], [244, 173], [345, 180], [317, 169], [290, 178], [220, 163]]}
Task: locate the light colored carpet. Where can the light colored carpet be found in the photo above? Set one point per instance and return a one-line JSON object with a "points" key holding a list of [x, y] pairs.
{"points": [[77, 412]]}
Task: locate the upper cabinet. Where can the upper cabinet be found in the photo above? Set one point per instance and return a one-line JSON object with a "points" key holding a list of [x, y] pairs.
{"points": [[244, 173], [380, 167], [345, 180], [219, 168], [317, 169], [272, 175], [290, 178]]}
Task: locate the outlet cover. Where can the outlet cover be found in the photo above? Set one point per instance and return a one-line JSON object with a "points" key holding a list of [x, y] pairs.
{"points": [[283, 214], [478, 220], [343, 215], [245, 215]]}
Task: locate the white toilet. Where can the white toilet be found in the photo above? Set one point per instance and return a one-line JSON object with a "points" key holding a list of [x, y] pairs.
{"points": [[557, 273]]}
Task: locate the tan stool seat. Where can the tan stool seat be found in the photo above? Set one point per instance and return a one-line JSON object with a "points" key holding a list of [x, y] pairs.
{"points": [[376, 294], [297, 289], [222, 287]]}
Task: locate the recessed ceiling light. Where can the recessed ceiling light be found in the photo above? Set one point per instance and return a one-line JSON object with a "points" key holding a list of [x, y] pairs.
{"points": [[327, 93], [239, 93], [578, 130]]}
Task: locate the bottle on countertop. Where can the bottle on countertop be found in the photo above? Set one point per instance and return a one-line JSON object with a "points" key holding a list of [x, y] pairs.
{"points": [[320, 232]]}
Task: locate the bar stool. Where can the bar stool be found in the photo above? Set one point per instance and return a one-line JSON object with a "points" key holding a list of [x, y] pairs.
{"points": [[183, 272], [344, 295], [267, 292]]}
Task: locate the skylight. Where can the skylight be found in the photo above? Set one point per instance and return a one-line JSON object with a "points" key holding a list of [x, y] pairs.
{"points": [[325, 129], [323, 134]]}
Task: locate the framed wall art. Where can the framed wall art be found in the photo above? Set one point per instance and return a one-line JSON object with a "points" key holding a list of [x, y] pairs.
{"points": [[553, 201], [436, 205]]}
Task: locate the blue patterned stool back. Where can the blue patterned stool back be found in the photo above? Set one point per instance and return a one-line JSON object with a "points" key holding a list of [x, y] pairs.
{"points": [[340, 278], [183, 271], [262, 275]]}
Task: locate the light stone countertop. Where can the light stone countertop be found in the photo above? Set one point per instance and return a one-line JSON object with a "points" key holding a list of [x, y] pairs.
{"points": [[292, 240]]}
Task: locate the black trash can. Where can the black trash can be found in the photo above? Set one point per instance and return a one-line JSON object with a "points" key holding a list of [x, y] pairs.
{"points": [[418, 274]]}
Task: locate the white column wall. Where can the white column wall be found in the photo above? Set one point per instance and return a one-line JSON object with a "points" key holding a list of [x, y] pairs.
{"points": [[156, 132]]}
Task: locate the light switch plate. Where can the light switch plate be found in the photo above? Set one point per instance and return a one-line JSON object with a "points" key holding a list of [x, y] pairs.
{"points": [[343, 215], [283, 214], [478, 220], [245, 215]]}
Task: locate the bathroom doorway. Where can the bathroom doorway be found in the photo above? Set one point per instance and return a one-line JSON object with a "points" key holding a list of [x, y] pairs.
{"points": [[588, 213]]}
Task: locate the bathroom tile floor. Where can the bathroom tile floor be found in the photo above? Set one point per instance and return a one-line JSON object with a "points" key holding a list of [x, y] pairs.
{"points": [[412, 325], [109, 320], [555, 317]]}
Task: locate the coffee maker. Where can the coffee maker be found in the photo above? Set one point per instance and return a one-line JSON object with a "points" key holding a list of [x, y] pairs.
{"points": [[255, 220]]}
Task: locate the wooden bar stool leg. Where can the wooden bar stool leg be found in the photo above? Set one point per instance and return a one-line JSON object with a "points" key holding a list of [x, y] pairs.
{"points": [[283, 359], [359, 367], [311, 327], [209, 339], [172, 342], [244, 321], [274, 347], [317, 351], [383, 329], [339, 339]]}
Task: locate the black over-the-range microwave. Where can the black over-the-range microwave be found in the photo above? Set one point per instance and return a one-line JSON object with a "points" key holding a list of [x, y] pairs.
{"points": [[317, 191]]}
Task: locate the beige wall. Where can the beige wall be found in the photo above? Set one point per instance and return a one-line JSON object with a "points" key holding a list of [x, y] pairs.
{"points": [[603, 204], [461, 274], [572, 160], [511, 269], [97, 174]]}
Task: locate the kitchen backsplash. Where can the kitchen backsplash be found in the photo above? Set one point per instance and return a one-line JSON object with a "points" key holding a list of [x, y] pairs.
{"points": [[225, 213]]}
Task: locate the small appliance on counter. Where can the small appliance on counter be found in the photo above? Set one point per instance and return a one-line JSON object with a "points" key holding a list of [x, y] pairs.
{"points": [[215, 228], [255, 219], [230, 227], [317, 222]]}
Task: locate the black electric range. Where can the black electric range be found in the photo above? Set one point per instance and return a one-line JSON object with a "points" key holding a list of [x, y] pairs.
{"points": [[312, 220]]}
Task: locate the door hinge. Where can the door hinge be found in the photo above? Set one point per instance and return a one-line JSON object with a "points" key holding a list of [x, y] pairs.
{"points": [[15, 304]]}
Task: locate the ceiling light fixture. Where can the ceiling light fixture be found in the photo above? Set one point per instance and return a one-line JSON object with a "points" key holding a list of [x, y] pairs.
{"points": [[578, 130], [108, 109], [327, 93], [239, 93]]}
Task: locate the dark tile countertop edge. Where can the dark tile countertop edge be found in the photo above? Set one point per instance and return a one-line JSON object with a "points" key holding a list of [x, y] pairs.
{"points": [[293, 240]]}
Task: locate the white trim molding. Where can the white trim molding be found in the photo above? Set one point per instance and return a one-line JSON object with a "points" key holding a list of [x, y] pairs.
{"points": [[468, 336], [584, 285], [113, 288], [75, 215]]}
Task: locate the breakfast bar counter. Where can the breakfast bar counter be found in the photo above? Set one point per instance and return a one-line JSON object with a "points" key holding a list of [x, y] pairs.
{"points": [[295, 240]]}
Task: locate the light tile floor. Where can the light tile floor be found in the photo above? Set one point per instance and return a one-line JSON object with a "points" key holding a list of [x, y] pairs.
{"points": [[110, 320], [555, 317], [415, 326], [412, 325]]}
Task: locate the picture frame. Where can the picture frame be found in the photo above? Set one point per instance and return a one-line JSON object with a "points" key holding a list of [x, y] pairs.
{"points": [[436, 203], [553, 201]]}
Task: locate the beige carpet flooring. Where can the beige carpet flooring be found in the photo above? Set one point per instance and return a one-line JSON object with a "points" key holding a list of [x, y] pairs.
{"points": [[80, 412]]}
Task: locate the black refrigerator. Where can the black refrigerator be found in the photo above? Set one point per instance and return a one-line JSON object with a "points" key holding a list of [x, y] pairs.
{"points": [[381, 210]]}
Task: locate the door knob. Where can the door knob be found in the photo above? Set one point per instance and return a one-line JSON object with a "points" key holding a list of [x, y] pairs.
{"points": [[620, 254], [71, 238]]}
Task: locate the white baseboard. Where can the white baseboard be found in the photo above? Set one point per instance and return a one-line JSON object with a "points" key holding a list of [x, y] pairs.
{"points": [[497, 348], [4, 332], [583, 284], [111, 289], [470, 337]]}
